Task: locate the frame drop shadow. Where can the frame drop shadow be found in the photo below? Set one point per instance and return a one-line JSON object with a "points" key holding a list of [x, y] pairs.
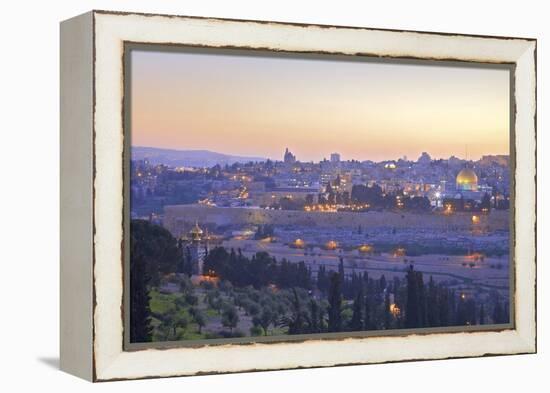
{"points": [[52, 362]]}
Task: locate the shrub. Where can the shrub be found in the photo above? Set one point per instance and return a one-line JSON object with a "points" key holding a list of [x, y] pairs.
{"points": [[256, 331]]}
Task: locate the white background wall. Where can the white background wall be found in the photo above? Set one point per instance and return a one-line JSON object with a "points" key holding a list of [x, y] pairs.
{"points": [[29, 195]]}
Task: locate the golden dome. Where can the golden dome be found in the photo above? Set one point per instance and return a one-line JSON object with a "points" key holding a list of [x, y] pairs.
{"points": [[466, 180], [196, 230]]}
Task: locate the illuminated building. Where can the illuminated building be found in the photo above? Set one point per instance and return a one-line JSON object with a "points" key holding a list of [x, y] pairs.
{"points": [[196, 249], [268, 197]]}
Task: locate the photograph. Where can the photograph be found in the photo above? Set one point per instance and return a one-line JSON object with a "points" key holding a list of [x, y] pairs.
{"points": [[274, 196], [236, 196]]}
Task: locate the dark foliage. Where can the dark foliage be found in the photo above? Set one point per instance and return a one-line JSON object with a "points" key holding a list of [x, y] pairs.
{"points": [[335, 304], [153, 251], [259, 271]]}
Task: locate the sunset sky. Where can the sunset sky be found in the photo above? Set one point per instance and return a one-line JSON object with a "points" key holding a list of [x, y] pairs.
{"points": [[258, 105]]}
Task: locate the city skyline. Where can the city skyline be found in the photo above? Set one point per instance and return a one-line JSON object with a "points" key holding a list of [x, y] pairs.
{"points": [[186, 101], [326, 157]]}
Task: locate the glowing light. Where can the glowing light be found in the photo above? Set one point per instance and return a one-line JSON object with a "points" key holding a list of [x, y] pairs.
{"points": [[331, 245], [299, 243], [399, 252], [365, 248], [394, 310]]}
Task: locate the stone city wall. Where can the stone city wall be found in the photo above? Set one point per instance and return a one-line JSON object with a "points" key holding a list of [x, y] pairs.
{"points": [[178, 218]]}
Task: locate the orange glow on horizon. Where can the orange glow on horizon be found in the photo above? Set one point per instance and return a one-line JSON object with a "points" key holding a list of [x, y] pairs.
{"points": [[256, 106]]}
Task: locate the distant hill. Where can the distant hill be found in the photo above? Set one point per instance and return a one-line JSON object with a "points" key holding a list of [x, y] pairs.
{"points": [[189, 158]]}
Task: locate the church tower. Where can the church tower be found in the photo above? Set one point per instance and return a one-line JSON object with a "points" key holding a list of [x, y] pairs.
{"points": [[289, 158], [197, 249]]}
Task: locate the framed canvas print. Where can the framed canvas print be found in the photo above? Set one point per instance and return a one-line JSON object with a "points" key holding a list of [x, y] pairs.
{"points": [[246, 195]]}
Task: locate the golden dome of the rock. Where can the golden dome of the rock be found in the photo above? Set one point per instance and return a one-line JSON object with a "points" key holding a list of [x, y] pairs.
{"points": [[466, 180]]}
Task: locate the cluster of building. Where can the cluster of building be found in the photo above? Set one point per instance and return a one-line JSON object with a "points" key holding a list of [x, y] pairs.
{"points": [[449, 185], [453, 182], [243, 197]]}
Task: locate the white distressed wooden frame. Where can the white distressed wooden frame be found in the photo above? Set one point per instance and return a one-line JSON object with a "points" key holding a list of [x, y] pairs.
{"points": [[92, 194]]}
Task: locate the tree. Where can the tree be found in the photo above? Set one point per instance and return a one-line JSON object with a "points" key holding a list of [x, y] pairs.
{"points": [[341, 274], [444, 309], [322, 280], [422, 309], [214, 300], [486, 202], [335, 304], [461, 317], [360, 193], [498, 313], [346, 198], [264, 319], [387, 313], [171, 321], [156, 249], [153, 252], [191, 299], [186, 286], [230, 317], [382, 283], [258, 271], [181, 322], [287, 203], [315, 317], [367, 320], [506, 318], [471, 312], [482, 315], [433, 309], [140, 313], [295, 321], [412, 310], [256, 330], [200, 319], [253, 309], [357, 320]]}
